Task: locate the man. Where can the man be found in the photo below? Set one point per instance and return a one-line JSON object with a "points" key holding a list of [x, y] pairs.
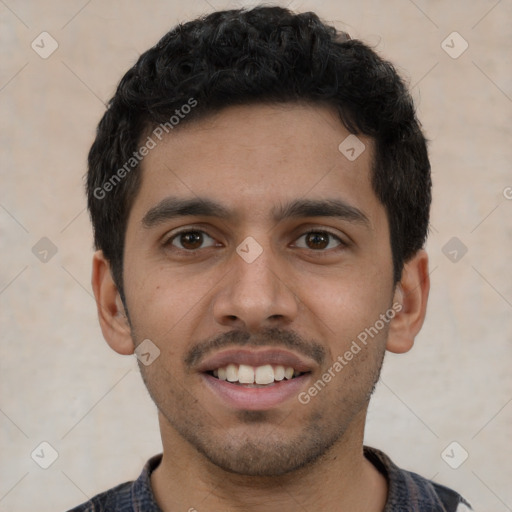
{"points": [[260, 189]]}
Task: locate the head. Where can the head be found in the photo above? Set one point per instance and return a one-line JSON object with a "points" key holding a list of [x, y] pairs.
{"points": [[244, 113]]}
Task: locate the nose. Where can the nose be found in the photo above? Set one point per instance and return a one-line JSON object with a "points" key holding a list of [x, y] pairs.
{"points": [[256, 294]]}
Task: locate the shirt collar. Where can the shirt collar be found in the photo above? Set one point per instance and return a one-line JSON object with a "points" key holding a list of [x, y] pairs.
{"points": [[403, 486]]}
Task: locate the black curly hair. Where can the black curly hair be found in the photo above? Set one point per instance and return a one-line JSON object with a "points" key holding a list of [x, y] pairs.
{"points": [[261, 55]]}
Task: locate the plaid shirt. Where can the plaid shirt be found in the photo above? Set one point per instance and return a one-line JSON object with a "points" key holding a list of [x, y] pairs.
{"points": [[407, 491]]}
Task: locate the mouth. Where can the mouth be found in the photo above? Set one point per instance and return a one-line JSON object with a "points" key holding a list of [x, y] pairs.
{"points": [[255, 377], [255, 380]]}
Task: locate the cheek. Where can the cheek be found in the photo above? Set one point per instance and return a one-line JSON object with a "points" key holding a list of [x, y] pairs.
{"points": [[146, 297], [161, 301], [349, 302]]}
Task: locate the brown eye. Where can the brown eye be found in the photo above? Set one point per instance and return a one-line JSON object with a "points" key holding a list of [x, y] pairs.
{"points": [[319, 240], [189, 240]]}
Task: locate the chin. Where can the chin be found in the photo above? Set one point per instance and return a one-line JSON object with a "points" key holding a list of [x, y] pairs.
{"points": [[266, 452]]}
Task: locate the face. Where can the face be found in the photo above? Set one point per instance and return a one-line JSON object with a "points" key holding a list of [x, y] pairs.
{"points": [[254, 249]]}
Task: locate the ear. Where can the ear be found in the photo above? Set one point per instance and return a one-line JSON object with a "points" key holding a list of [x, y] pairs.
{"points": [[410, 302], [111, 314]]}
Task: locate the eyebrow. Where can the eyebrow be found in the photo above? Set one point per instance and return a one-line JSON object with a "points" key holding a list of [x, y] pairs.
{"points": [[173, 207]]}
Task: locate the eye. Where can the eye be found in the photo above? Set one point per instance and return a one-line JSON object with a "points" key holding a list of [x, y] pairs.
{"points": [[320, 240], [190, 240]]}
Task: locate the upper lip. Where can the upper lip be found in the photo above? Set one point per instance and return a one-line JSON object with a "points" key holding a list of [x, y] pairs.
{"points": [[256, 358]]}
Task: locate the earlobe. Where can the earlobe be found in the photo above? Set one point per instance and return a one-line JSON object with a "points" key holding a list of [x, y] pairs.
{"points": [[111, 314], [410, 302]]}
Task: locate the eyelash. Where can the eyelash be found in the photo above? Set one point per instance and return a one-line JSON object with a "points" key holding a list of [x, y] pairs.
{"points": [[168, 243]]}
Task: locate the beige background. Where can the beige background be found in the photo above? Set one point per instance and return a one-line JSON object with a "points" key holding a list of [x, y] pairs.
{"points": [[60, 383]]}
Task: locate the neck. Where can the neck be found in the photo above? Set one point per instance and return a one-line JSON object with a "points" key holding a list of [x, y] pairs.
{"points": [[343, 480]]}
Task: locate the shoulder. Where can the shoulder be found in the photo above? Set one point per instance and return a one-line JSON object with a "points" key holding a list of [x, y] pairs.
{"points": [[451, 500], [117, 498], [132, 496], [410, 492]]}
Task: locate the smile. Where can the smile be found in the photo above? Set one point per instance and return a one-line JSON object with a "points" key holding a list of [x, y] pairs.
{"points": [[259, 376], [243, 379]]}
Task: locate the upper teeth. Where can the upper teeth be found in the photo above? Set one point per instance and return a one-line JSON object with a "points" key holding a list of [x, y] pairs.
{"points": [[245, 374]]}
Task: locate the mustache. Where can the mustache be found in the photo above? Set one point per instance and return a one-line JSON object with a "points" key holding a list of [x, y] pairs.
{"points": [[271, 337]]}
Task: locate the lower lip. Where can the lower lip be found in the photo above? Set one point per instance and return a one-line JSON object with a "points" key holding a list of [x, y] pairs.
{"points": [[255, 399]]}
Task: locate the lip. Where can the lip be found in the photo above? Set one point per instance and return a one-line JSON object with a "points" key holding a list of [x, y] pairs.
{"points": [[256, 358], [255, 399]]}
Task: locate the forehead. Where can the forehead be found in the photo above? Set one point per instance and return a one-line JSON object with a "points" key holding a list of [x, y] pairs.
{"points": [[254, 158]]}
